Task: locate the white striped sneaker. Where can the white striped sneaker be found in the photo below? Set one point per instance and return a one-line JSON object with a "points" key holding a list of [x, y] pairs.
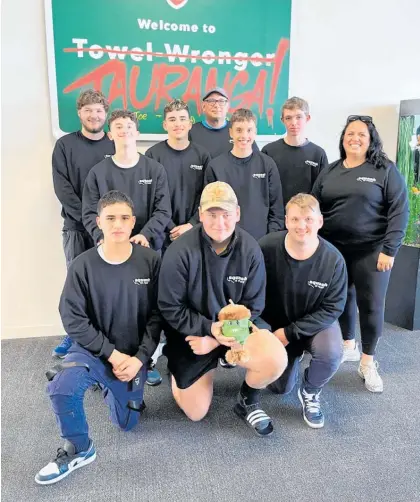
{"points": [[254, 417]]}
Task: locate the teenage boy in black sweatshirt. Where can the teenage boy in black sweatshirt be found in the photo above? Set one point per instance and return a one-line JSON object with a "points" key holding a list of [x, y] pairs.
{"points": [[140, 177], [252, 175], [201, 271], [306, 293], [184, 163], [109, 308], [298, 160], [213, 131], [73, 156]]}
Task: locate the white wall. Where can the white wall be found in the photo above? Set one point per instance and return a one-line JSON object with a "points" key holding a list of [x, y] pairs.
{"points": [[346, 57]]}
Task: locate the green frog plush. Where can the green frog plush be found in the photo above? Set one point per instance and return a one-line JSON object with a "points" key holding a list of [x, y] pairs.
{"points": [[237, 324]]}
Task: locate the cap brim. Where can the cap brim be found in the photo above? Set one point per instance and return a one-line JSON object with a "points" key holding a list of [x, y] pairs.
{"points": [[226, 206]]}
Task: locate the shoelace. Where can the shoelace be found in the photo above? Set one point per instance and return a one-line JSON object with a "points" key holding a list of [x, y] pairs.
{"points": [[371, 370], [62, 456], [312, 402]]}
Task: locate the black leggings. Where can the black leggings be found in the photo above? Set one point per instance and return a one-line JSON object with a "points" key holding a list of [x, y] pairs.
{"points": [[367, 289]]}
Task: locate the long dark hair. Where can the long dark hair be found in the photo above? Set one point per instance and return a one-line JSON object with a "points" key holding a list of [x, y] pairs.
{"points": [[375, 153]]}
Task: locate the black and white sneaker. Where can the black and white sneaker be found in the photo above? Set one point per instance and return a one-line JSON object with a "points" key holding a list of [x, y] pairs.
{"points": [[64, 463], [224, 364], [254, 417]]}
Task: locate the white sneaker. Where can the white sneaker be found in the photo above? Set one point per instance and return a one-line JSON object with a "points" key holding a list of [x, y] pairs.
{"points": [[350, 353], [370, 375]]}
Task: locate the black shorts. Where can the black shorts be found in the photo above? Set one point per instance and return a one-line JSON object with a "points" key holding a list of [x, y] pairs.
{"points": [[186, 367]]}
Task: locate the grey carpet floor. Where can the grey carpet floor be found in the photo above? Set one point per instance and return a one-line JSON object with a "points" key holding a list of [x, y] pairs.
{"points": [[368, 451]]}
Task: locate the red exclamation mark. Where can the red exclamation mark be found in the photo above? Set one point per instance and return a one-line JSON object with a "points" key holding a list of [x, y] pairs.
{"points": [[282, 48]]}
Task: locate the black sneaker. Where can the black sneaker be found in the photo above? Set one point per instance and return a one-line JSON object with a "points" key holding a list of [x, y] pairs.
{"points": [[312, 413], [64, 463], [224, 364], [254, 417]]}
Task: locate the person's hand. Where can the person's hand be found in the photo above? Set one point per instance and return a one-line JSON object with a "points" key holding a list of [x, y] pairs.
{"points": [[116, 358], [280, 334], [128, 369], [385, 262], [201, 345], [227, 341], [179, 230], [140, 239]]}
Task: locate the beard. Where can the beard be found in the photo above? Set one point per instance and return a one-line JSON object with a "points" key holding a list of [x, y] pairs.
{"points": [[94, 129]]}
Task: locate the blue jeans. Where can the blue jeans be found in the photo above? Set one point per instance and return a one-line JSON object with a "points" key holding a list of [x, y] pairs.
{"points": [[68, 388], [326, 349]]}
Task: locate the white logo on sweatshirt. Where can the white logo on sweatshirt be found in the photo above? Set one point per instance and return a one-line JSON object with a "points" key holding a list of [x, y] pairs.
{"points": [[145, 182], [237, 278], [363, 178], [316, 284], [106, 156], [259, 176], [141, 282], [311, 163], [196, 168]]}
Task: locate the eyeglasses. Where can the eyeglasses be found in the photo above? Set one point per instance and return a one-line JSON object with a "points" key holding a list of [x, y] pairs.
{"points": [[367, 119], [216, 102]]}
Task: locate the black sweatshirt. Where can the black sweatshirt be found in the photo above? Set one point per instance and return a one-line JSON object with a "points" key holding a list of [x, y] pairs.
{"points": [[364, 208], [303, 296], [185, 171], [73, 157], [215, 141], [195, 283], [257, 185], [299, 166], [145, 183], [105, 307]]}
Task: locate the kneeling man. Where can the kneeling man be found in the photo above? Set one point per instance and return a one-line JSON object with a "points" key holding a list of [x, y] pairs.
{"points": [[306, 294], [214, 262], [109, 309]]}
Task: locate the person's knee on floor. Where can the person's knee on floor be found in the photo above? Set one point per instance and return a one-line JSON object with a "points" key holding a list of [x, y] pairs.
{"points": [[195, 401]]}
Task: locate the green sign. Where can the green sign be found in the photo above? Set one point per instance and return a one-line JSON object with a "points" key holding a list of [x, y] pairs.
{"points": [[143, 53]]}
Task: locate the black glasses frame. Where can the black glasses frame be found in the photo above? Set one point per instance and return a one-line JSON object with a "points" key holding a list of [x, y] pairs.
{"points": [[367, 119]]}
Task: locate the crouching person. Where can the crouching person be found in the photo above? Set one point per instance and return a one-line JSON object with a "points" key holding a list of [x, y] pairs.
{"points": [[109, 308], [214, 262], [306, 294]]}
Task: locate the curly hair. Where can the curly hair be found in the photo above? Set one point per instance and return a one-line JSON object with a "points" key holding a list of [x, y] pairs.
{"points": [[92, 97]]}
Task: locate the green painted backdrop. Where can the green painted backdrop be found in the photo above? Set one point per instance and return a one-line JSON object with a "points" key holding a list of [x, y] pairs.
{"points": [[259, 30]]}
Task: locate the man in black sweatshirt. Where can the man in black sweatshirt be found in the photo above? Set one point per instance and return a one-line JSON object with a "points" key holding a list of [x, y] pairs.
{"points": [[298, 160], [201, 271], [184, 163], [213, 131], [109, 308], [140, 177], [73, 156], [252, 175], [306, 293]]}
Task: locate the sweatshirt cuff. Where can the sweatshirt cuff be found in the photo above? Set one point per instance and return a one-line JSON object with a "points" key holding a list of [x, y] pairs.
{"points": [[144, 231], [107, 348], [389, 251], [288, 331], [142, 356], [207, 327]]}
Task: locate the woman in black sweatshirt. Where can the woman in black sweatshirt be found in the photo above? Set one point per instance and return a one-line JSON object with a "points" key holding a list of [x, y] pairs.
{"points": [[363, 198]]}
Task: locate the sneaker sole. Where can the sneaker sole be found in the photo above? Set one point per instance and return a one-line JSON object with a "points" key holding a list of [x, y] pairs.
{"points": [[65, 474], [371, 389], [311, 424], [238, 412], [154, 384]]}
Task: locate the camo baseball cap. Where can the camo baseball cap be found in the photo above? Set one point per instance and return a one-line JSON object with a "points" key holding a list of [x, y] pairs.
{"points": [[219, 195]]}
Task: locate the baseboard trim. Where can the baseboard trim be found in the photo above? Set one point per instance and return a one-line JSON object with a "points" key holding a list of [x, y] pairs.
{"points": [[10, 332]]}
